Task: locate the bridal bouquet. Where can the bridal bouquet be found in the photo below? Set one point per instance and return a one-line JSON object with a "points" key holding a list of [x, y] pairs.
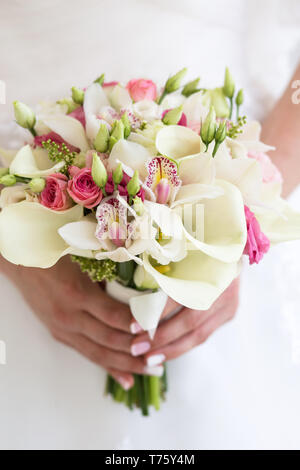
{"points": [[158, 192]]}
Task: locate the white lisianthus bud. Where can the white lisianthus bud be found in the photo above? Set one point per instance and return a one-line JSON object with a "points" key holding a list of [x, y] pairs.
{"points": [[133, 186], [8, 180], [208, 128], [127, 125], [239, 98], [100, 80], [117, 174], [99, 173], [144, 280], [174, 82], [71, 106], [77, 95], [25, 117], [173, 116], [190, 88], [37, 185], [229, 85], [102, 139], [117, 133]]}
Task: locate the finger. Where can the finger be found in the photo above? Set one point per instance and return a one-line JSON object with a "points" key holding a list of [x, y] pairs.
{"points": [[125, 379], [109, 311], [102, 334], [171, 330], [189, 341], [170, 308], [105, 357]]}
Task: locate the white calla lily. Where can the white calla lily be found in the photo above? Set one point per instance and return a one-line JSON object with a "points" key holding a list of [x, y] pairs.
{"points": [[69, 128], [131, 155], [194, 109], [15, 194], [224, 232], [195, 282], [25, 164], [178, 141], [197, 169], [120, 98], [279, 224], [81, 235], [29, 234]]}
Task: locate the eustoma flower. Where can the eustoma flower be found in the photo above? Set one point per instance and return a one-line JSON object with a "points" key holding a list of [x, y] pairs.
{"points": [[257, 243]]}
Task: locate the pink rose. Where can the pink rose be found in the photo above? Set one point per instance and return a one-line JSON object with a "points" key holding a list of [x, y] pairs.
{"points": [[141, 89], [182, 121], [39, 139], [55, 195], [257, 242], [271, 174], [78, 114], [82, 187]]}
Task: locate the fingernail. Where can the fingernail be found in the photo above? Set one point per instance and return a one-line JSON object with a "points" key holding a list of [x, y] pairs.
{"points": [[140, 348], [158, 370], [124, 383], [155, 360], [135, 328]]}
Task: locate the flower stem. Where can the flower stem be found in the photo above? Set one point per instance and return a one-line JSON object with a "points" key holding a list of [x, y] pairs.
{"points": [[154, 386]]}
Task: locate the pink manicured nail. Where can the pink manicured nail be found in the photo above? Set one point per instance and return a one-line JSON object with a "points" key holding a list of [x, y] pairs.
{"points": [[140, 348], [135, 328], [124, 383], [155, 360]]}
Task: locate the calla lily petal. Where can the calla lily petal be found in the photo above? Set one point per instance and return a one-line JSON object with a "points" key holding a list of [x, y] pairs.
{"points": [[279, 225], [195, 282], [29, 233], [120, 98], [224, 232], [130, 154], [69, 128], [178, 141], [197, 169], [191, 193], [24, 164]]}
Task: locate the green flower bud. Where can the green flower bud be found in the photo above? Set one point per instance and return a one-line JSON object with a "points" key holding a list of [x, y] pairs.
{"points": [[133, 185], [127, 125], [8, 180], [25, 117], [37, 185], [102, 139], [208, 129], [138, 206], [99, 173], [221, 132], [117, 174], [173, 83], [173, 116], [100, 80], [112, 142], [217, 99], [190, 88], [229, 85], [77, 95], [70, 104], [117, 133], [240, 98], [4, 171]]}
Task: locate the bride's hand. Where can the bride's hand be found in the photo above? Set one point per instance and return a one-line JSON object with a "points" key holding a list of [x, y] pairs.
{"points": [[80, 314], [188, 328]]}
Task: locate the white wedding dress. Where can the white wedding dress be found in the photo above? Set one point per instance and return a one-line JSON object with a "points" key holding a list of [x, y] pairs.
{"points": [[239, 390]]}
